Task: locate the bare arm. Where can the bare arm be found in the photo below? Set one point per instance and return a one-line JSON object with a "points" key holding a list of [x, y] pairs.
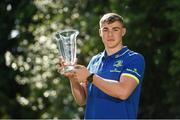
{"points": [[121, 89], [79, 90]]}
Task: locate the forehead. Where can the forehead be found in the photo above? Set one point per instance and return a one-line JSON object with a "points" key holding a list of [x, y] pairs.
{"points": [[111, 25]]}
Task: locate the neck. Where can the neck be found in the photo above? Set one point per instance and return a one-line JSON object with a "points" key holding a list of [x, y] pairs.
{"points": [[113, 50]]}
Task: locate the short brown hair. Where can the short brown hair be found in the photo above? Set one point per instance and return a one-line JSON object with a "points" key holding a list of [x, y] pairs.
{"points": [[110, 18]]}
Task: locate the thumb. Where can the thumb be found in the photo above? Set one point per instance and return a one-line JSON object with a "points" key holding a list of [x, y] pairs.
{"points": [[78, 66]]}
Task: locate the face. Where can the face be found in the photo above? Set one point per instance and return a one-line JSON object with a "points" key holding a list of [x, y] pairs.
{"points": [[112, 34]]}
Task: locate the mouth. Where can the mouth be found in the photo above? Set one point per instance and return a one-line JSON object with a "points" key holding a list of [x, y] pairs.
{"points": [[110, 40]]}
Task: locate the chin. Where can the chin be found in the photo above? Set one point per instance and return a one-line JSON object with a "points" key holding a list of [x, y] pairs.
{"points": [[110, 47]]}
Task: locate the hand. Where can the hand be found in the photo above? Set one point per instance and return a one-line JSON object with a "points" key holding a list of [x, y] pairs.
{"points": [[81, 73], [62, 64]]}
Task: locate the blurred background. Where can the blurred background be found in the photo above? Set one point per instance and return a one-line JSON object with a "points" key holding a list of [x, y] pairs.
{"points": [[31, 87]]}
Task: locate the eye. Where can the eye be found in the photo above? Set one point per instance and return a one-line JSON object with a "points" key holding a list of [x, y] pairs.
{"points": [[115, 29], [104, 30]]}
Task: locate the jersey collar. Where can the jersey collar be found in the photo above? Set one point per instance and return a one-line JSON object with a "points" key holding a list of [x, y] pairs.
{"points": [[118, 54]]}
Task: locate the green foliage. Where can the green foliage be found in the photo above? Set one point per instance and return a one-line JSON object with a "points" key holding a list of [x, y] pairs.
{"points": [[30, 85]]}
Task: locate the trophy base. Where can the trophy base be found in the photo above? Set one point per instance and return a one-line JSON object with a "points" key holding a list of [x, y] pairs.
{"points": [[67, 69]]}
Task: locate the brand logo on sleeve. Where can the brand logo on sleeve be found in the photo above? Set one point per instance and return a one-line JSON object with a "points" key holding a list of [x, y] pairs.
{"points": [[134, 71]]}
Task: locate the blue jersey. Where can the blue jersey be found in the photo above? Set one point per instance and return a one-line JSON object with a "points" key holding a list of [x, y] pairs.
{"points": [[124, 62]]}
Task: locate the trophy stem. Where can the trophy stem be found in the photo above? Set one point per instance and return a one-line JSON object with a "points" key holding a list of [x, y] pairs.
{"points": [[68, 68]]}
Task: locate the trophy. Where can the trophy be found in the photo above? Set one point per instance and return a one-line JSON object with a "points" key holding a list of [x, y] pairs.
{"points": [[66, 42]]}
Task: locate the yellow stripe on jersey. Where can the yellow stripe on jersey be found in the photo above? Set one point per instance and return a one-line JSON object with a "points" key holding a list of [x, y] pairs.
{"points": [[130, 75]]}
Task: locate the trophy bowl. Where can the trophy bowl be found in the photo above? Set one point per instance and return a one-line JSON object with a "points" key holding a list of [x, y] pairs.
{"points": [[66, 42]]}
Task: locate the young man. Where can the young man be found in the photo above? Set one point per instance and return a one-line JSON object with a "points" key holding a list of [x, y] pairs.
{"points": [[110, 86]]}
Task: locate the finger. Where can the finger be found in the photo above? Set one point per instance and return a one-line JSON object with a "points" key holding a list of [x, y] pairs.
{"points": [[60, 71], [61, 60], [69, 74], [78, 66], [60, 66], [76, 60], [62, 63]]}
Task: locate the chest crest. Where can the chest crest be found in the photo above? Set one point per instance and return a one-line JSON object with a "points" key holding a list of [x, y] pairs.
{"points": [[118, 63]]}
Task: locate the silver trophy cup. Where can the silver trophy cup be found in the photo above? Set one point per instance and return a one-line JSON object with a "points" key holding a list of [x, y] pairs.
{"points": [[66, 42]]}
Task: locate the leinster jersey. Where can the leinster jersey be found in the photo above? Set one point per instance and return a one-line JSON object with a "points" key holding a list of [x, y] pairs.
{"points": [[122, 63]]}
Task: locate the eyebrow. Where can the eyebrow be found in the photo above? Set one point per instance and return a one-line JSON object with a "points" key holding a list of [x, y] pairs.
{"points": [[112, 28], [116, 28]]}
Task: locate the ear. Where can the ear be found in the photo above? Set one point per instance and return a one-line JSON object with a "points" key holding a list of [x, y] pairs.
{"points": [[123, 31], [100, 34]]}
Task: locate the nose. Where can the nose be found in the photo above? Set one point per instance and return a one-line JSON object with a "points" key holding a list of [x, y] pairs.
{"points": [[110, 33]]}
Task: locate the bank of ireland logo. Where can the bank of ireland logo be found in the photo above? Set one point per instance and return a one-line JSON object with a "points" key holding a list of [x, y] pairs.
{"points": [[134, 71], [118, 63]]}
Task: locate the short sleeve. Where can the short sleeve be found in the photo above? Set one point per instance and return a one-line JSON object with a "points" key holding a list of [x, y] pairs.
{"points": [[89, 67], [134, 67]]}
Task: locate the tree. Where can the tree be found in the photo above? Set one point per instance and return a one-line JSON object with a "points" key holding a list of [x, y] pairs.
{"points": [[30, 85], [12, 15]]}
